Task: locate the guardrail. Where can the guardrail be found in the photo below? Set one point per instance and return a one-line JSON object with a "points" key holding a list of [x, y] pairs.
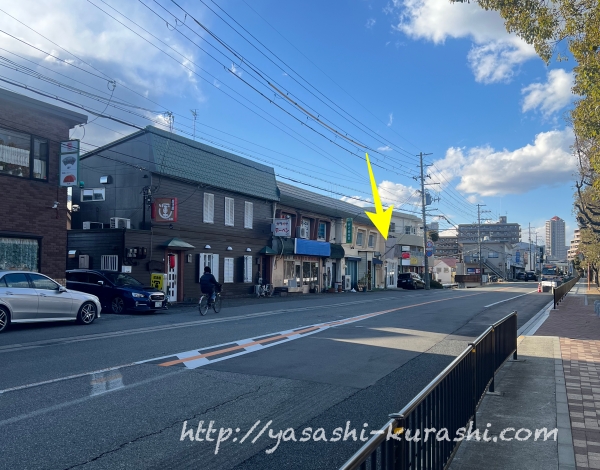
{"points": [[561, 291], [450, 402]]}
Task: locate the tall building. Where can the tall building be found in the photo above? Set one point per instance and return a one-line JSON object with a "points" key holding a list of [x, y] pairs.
{"points": [[555, 239], [447, 247], [500, 231], [574, 248]]}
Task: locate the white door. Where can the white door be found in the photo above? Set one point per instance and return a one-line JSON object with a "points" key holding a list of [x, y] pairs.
{"points": [[172, 278]]}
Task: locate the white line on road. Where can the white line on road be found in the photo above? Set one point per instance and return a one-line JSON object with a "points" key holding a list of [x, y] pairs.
{"points": [[506, 300]]}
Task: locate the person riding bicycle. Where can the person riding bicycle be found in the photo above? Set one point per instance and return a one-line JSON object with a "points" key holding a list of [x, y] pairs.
{"points": [[208, 284]]}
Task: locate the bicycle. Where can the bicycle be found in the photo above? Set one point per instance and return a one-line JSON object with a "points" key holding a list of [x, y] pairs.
{"points": [[265, 290], [204, 304]]}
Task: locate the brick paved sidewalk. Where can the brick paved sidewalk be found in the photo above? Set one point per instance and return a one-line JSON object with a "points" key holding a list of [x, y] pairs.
{"points": [[579, 331]]}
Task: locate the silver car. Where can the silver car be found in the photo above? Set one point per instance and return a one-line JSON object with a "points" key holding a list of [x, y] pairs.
{"points": [[27, 297]]}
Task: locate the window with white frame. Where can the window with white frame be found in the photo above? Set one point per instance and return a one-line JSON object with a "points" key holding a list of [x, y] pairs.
{"points": [[248, 268], [93, 194], [208, 215], [360, 238], [109, 263], [408, 230], [229, 211], [372, 240], [306, 225], [212, 261], [228, 270], [248, 214], [322, 232], [392, 227]]}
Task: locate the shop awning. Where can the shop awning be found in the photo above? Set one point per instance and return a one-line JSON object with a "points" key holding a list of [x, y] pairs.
{"points": [[267, 250], [311, 247], [337, 251], [377, 261], [353, 258], [177, 244]]}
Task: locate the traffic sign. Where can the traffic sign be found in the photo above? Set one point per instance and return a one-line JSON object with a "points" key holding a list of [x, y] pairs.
{"points": [[429, 244], [429, 254]]}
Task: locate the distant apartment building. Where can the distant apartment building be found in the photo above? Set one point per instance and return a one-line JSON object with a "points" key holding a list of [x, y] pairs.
{"points": [[555, 239], [500, 231], [574, 247], [446, 247]]}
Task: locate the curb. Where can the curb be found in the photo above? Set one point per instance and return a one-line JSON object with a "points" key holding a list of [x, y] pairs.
{"points": [[529, 328]]}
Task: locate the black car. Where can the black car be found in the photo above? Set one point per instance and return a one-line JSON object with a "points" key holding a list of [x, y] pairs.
{"points": [[410, 281], [530, 276], [520, 276], [117, 292]]}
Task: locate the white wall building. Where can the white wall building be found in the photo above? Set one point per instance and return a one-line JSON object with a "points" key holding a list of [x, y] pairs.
{"points": [[555, 239]]}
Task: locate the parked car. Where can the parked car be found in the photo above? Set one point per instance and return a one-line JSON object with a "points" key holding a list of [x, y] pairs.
{"points": [[410, 281], [520, 276], [117, 292], [530, 276], [27, 297]]}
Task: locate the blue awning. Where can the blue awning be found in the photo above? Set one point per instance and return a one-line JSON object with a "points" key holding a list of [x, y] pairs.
{"points": [[311, 247], [353, 258], [377, 261]]}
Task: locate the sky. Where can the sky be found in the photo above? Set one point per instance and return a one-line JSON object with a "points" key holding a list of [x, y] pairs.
{"points": [[309, 87]]}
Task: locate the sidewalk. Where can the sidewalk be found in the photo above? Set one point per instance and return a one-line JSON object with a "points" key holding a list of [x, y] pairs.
{"points": [[557, 386]]}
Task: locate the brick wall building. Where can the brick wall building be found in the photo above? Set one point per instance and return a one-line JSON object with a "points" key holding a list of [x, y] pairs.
{"points": [[33, 234]]}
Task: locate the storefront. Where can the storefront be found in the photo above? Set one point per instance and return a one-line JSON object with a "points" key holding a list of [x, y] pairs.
{"points": [[391, 273]]}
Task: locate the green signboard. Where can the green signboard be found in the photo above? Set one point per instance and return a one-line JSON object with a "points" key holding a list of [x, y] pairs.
{"points": [[348, 230]]}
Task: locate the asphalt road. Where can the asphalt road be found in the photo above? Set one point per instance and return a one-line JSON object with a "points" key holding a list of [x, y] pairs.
{"points": [[116, 394]]}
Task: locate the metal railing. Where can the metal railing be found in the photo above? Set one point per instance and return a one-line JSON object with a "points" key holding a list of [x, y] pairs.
{"points": [[449, 402], [561, 291]]}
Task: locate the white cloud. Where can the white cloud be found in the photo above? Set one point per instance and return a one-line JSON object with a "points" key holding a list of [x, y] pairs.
{"points": [[386, 148], [495, 53], [551, 96], [357, 202], [485, 171], [391, 120], [235, 70], [96, 38], [390, 193], [370, 23]]}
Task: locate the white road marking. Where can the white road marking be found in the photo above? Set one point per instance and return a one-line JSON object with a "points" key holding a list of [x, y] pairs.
{"points": [[506, 300]]}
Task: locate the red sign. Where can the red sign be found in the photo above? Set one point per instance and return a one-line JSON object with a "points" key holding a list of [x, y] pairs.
{"points": [[405, 255], [164, 209]]}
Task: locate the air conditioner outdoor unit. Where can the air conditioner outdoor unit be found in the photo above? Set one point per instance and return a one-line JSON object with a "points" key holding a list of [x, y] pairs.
{"points": [[301, 232], [92, 225], [347, 282], [120, 222]]}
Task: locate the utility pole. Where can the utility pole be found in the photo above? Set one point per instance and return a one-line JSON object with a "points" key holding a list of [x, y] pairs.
{"points": [[530, 263], [479, 206], [427, 283], [195, 114]]}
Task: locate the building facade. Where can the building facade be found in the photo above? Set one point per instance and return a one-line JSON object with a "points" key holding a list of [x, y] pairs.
{"points": [[404, 249], [501, 231], [574, 247], [33, 231], [447, 247], [555, 239], [157, 203]]}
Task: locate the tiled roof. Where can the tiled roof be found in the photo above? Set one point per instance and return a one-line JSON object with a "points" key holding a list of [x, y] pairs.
{"points": [[185, 158]]}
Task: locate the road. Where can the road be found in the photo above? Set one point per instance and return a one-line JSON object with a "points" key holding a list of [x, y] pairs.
{"points": [[116, 394]]}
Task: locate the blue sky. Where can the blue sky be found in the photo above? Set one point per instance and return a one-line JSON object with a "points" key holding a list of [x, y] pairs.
{"points": [[398, 77]]}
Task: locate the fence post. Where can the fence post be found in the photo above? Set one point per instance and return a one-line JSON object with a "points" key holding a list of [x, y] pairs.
{"points": [[493, 359], [554, 297], [474, 375], [516, 332]]}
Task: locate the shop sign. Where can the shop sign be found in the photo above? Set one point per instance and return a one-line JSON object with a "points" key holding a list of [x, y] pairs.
{"points": [[164, 209], [282, 227]]}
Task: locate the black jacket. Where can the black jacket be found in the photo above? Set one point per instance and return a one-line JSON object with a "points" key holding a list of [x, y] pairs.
{"points": [[207, 281]]}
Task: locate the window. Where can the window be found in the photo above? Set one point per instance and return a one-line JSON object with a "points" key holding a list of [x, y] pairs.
{"points": [[93, 194], [359, 238], [17, 281], [228, 270], [109, 263], [322, 233], [248, 214], [288, 271], [306, 224], [371, 240], [19, 254], [408, 230], [439, 270], [229, 211], [40, 159], [247, 268], [92, 278], [2, 282], [15, 153], [212, 261], [42, 282], [208, 215], [446, 270], [392, 227]]}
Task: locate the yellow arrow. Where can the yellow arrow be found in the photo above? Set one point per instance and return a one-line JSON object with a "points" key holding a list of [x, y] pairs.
{"points": [[382, 218]]}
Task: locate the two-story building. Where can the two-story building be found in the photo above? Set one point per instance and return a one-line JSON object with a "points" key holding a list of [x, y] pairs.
{"points": [[404, 250], [33, 226], [156, 202]]}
